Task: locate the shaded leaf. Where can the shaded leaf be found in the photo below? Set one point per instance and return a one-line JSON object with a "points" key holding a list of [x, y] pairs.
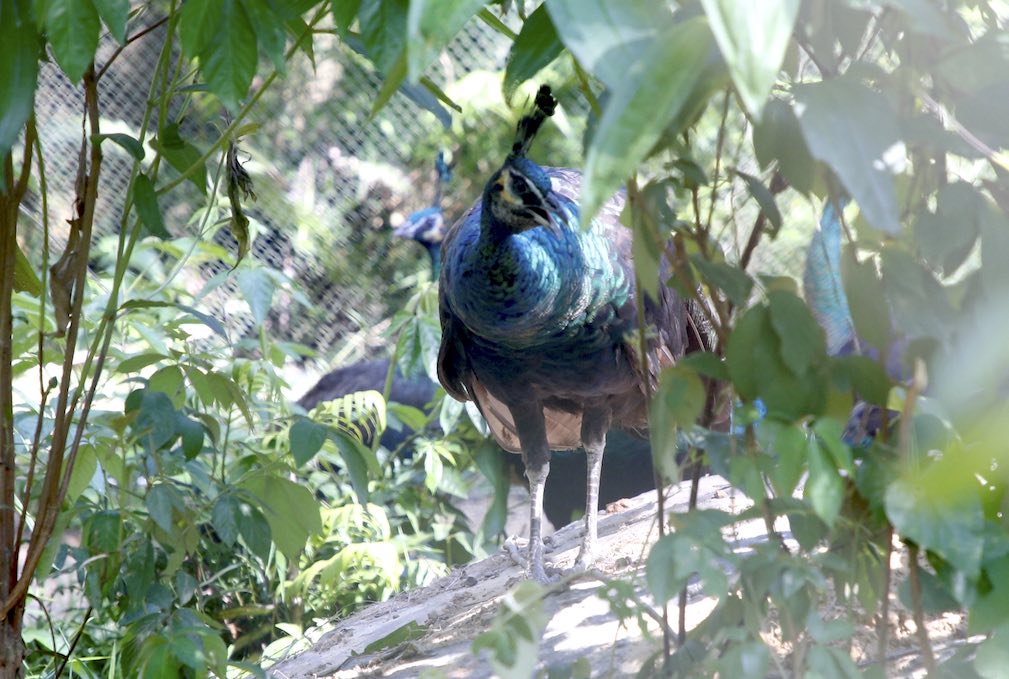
{"points": [[269, 31], [536, 46], [777, 137], [72, 27], [306, 439], [258, 287], [731, 280], [225, 517], [852, 129], [199, 25], [430, 25], [128, 142], [764, 198], [383, 26], [752, 36], [290, 509], [19, 69], [146, 200], [802, 340], [115, 13], [181, 155], [229, 61], [25, 278]]}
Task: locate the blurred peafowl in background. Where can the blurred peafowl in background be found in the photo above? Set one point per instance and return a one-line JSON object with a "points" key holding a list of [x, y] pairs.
{"points": [[539, 323], [427, 226], [824, 291]]}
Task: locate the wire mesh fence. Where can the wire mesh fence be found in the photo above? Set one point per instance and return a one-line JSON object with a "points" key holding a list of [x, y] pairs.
{"points": [[331, 182]]}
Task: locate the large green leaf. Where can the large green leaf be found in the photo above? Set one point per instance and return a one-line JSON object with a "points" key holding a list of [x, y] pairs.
{"points": [[72, 27], [290, 509], [777, 137], [430, 25], [536, 46], [852, 129], [115, 13], [802, 341], [677, 403], [269, 31], [383, 26], [753, 36], [19, 69], [609, 38], [181, 154], [229, 61], [640, 107], [199, 25]]}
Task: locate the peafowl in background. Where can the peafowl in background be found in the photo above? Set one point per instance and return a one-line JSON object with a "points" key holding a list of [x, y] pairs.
{"points": [[427, 226], [539, 321], [824, 291]]}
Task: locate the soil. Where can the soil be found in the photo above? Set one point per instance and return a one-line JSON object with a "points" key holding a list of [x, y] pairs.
{"points": [[449, 614]]}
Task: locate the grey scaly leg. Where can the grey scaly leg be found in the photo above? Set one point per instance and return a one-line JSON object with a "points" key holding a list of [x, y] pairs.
{"points": [[594, 426], [536, 454]]}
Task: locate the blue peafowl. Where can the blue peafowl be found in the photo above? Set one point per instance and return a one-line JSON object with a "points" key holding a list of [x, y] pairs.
{"points": [[827, 300], [427, 226], [538, 315]]}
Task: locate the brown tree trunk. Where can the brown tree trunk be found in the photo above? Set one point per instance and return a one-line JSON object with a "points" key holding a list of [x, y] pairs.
{"points": [[12, 647]]}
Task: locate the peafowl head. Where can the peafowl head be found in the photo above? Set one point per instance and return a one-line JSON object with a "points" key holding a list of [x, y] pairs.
{"points": [[519, 196]]}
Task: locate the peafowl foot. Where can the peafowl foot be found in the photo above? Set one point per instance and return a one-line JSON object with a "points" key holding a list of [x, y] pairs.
{"points": [[520, 555]]}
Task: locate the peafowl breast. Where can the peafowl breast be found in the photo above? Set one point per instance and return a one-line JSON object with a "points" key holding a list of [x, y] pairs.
{"points": [[539, 323]]}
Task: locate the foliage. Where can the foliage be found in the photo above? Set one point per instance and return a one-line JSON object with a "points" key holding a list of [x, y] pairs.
{"points": [[130, 416]]}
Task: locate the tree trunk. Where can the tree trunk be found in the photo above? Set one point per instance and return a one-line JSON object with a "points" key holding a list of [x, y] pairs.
{"points": [[12, 647]]}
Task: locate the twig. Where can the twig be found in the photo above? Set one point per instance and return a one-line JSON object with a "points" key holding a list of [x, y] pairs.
{"points": [[778, 184], [883, 623], [73, 644], [917, 611], [133, 38]]}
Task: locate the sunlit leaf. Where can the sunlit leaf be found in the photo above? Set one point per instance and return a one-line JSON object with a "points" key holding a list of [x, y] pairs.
{"points": [[430, 25], [146, 200], [639, 109], [115, 13], [229, 61]]}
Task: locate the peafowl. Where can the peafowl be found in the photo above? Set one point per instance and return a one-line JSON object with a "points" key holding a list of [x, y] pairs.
{"points": [[827, 300], [427, 226], [539, 323]]}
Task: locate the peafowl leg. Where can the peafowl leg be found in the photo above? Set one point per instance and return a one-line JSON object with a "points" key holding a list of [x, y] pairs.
{"points": [[536, 455], [594, 427]]}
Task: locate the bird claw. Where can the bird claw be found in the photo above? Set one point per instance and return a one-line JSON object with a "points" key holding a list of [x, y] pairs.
{"points": [[520, 556]]}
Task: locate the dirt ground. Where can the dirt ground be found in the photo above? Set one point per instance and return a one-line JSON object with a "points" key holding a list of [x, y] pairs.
{"points": [[450, 613]]}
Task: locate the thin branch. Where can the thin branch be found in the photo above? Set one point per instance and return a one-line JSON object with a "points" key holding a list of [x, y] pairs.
{"points": [[130, 40], [73, 644]]}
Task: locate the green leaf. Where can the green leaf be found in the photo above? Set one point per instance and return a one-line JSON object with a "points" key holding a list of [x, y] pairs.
{"points": [[777, 137], [921, 307], [750, 659], [992, 656], [290, 509], [19, 70], [640, 108], [610, 39], [731, 280], [949, 523], [115, 14], [825, 489], [84, 469], [154, 425], [269, 31], [228, 62], [753, 37], [536, 46], [802, 340], [764, 198], [393, 79], [225, 517], [383, 27], [947, 237], [200, 23], [306, 439], [258, 287], [72, 27], [430, 25], [344, 13], [146, 200], [254, 529], [866, 300], [25, 278], [356, 456], [128, 142], [161, 501], [677, 403], [852, 129], [169, 381], [410, 631], [192, 435], [181, 155]]}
